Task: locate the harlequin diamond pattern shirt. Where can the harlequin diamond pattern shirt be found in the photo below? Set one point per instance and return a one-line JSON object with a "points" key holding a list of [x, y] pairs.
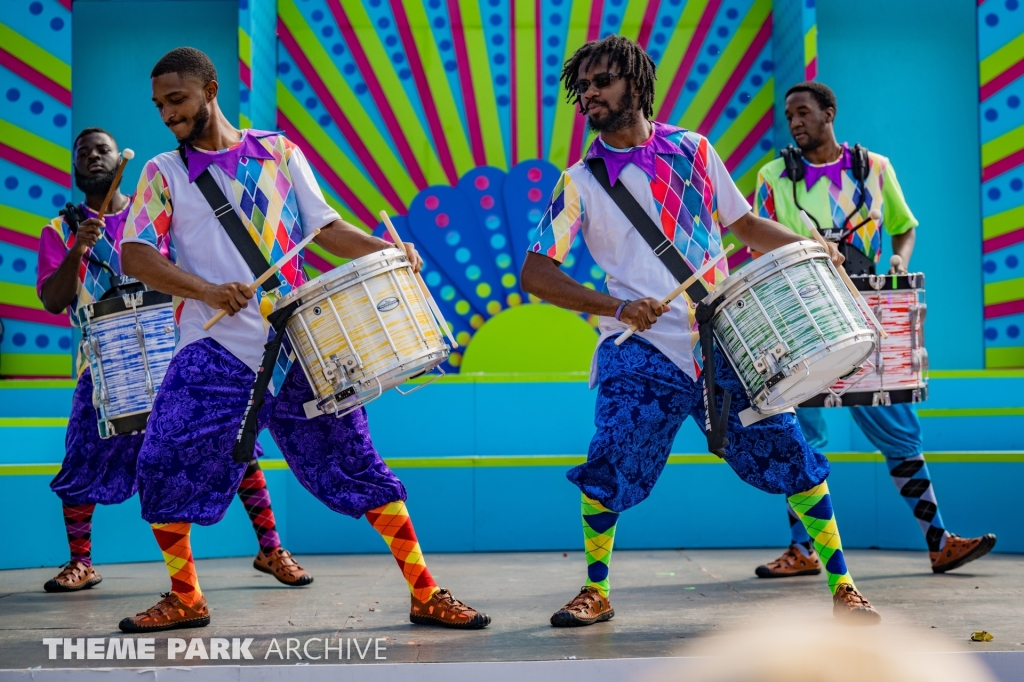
{"points": [[691, 197], [274, 192]]}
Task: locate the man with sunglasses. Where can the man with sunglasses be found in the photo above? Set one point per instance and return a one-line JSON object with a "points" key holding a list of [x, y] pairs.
{"points": [[653, 381]]}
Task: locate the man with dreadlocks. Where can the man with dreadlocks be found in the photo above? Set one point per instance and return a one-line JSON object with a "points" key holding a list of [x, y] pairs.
{"points": [[79, 262], [653, 381]]}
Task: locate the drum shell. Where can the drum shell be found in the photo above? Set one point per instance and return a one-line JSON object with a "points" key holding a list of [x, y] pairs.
{"points": [[127, 370], [789, 312], [361, 329], [897, 371]]}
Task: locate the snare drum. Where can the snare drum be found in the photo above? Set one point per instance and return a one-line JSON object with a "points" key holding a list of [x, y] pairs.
{"points": [[789, 327], [128, 343], [897, 372], [361, 329]]}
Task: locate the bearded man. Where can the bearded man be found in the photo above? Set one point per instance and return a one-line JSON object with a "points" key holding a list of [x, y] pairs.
{"points": [[652, 382]]}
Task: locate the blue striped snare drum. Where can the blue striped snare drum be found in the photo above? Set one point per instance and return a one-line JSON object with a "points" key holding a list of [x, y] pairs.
{"points": [[128, 342], [789, 327]]}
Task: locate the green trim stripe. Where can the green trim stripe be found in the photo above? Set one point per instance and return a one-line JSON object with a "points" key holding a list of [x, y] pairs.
{"points": [[36, 365], [488, 462], [1002, 59], [1009, 356], [22, 221], [977, 374], [22, 295], [38, 148], [40, 60], [1002, 223], [971, 412], [1002, 146], [1001, 292], [33, 422]]}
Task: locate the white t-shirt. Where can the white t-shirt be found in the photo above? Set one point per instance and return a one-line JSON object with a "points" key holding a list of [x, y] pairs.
{"points": [[633, 270], [203, 247]]}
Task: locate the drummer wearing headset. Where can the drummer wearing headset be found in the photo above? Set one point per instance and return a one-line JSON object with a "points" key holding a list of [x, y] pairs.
{"points": [[681, 195], [79, 264], [851, 195]]}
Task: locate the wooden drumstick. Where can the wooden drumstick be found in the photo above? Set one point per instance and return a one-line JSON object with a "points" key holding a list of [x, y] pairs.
{"points": [[845, 277], [896, 262], [294, 251], [679, 289], [126, 156], [419, 278]]}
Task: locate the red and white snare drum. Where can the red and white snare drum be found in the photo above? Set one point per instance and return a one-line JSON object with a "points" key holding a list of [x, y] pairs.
{"points": [[897, 371]]}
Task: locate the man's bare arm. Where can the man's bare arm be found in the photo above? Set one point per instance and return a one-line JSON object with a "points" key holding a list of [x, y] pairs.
{"points": [[903, 246], [348, 241], [150, 267], [765, 235], [542, 277]]}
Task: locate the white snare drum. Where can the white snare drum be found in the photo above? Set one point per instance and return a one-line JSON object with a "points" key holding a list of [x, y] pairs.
{"points": [[361, 329], [789, 327], [897, 372], [128, 342]]}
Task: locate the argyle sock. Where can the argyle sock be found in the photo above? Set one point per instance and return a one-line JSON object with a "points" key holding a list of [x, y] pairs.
{"points": [[814, 508], [915, 485], [797, 532], [598, 539], [176, 546], [78, 523], [256, 499], [394, 525]]}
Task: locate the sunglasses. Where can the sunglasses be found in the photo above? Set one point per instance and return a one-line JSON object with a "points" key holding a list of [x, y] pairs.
{"points": [[601, 81]]}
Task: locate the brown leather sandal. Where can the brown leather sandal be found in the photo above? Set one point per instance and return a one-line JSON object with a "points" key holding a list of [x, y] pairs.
{"points": [[282, 566]]}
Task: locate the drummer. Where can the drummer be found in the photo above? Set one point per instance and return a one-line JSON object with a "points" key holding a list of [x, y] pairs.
{"points": [[651, 383], [75, 269], [828, 193], [186, 471]]}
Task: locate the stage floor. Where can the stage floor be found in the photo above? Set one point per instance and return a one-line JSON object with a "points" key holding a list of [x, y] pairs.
{"points": [[665, 601]]}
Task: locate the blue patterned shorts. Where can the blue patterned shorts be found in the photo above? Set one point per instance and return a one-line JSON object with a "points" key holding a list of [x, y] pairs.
{"points": [[186, 470], [643, 399]]}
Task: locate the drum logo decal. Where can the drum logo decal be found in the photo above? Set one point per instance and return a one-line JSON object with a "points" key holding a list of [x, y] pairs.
{"points": [[809, 291], [389, 303]]}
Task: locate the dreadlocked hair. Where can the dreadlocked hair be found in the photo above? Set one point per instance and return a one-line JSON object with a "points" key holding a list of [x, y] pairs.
{"points": [[627, 57]]}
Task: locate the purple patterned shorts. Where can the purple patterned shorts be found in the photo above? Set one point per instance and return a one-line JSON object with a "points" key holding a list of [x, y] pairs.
{"points": [[95, 470], [187, 473]]}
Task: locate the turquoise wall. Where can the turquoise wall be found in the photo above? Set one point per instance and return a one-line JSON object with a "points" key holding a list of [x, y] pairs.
{"points": [[114, 66], [906, 77]]}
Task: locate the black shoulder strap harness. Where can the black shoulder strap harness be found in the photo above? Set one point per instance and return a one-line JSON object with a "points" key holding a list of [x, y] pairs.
{"points": [[245, 443], [715, 421]]}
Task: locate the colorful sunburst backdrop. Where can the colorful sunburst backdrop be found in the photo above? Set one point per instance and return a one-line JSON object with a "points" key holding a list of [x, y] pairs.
{"points": [[451, 113]]}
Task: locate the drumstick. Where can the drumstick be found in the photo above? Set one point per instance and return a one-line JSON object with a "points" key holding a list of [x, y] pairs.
{"points": [[294, 251], [126, 156], [845, 277], [419, 278], [679, 289]]}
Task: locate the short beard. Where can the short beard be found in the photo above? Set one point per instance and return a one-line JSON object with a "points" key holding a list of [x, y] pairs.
{"points": [[811, 145], [618, 118], [199, 122], [94, 185]]}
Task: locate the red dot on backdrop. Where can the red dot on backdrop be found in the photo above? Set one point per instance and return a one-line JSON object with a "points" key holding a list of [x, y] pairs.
{"points": [[441, 220], [486, 201], [481, 183], [533, 174], [431, 203], [534, 194]]}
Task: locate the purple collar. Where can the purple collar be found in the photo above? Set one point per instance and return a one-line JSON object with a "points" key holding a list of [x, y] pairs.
{"points": [[833, 171], [642, 156], [227, 159]]}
